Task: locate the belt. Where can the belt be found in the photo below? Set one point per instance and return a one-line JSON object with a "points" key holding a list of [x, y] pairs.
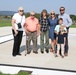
{"points": [[32, 32]]}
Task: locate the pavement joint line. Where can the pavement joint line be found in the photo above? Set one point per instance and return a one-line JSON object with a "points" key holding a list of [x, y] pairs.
{"points": [[10, 37], [7, 38], [5, 35], [53, 69]]}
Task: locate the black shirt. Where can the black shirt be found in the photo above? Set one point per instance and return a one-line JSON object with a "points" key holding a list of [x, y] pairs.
{"points": [[61, 38]]}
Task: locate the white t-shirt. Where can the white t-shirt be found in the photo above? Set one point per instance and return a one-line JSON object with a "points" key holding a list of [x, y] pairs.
{"points": [[57, 28], [18, 19]]}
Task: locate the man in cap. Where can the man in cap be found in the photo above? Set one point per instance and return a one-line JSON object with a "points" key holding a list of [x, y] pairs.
{"points": [[32, 29]]}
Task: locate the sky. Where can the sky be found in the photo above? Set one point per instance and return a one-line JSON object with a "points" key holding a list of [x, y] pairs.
{"points": [[39, 5]]}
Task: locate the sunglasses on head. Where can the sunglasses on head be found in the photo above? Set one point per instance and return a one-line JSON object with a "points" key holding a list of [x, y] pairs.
{"points": [[21, 10]]}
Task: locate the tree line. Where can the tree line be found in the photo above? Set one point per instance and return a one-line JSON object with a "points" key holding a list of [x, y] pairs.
{"points": [[73, 17]]}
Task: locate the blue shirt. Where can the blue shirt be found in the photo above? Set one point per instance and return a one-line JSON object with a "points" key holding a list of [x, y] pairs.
{"points": [[53, 23], [66, 19]]}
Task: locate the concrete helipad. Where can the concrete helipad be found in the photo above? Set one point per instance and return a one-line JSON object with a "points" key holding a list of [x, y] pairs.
{"points": [[38, 60]]}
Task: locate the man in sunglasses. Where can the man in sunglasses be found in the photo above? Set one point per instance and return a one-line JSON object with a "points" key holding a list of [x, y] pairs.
{"points": [[32, 29], [67, 23]]}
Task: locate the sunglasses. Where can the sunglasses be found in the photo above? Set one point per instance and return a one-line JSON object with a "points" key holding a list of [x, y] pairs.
{"points": [[21, 10], [32, 15], [52, 14], [61, 9]]}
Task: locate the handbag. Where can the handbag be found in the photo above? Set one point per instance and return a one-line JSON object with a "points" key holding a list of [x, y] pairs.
{"points": [[19, 24]]}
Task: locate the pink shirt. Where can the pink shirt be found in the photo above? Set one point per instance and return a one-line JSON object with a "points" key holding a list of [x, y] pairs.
{"points": [[31, 24]]}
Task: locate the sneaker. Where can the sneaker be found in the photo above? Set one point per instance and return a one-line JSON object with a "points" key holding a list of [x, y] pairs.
{"points": [[62, 56], [42, 51], [47, 51], [35, 52], [28, 52], [14, 55], [19, 54], [66, 54]]}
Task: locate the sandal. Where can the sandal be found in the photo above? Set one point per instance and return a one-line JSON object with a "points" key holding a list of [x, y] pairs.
{"points": [[51, 50], [62, 56], [54, 51], [56, 55]]}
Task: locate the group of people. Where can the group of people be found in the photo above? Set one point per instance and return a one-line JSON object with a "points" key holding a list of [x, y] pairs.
{"points": [[48, 26]]}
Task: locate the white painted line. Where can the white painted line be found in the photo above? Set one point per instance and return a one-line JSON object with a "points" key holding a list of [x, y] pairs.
{"points": [[10, 37], [15, 70], [7, 38], [72, 34]]}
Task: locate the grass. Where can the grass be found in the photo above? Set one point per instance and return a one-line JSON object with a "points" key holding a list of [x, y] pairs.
{"points": [[20, 73], [73, 26], [4, 23]]}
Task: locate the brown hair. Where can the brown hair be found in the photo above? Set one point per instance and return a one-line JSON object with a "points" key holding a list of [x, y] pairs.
{"points": [[43, 12], [62, 7], [60, 19]]}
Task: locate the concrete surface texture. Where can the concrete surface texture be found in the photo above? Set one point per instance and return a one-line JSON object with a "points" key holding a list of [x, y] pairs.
{"points": [[15, 70], [46, 60]]}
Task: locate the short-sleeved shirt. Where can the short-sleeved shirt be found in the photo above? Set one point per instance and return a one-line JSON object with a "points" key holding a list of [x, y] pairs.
{"points": [[19, 19], [57, 28], [31, 24]]}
